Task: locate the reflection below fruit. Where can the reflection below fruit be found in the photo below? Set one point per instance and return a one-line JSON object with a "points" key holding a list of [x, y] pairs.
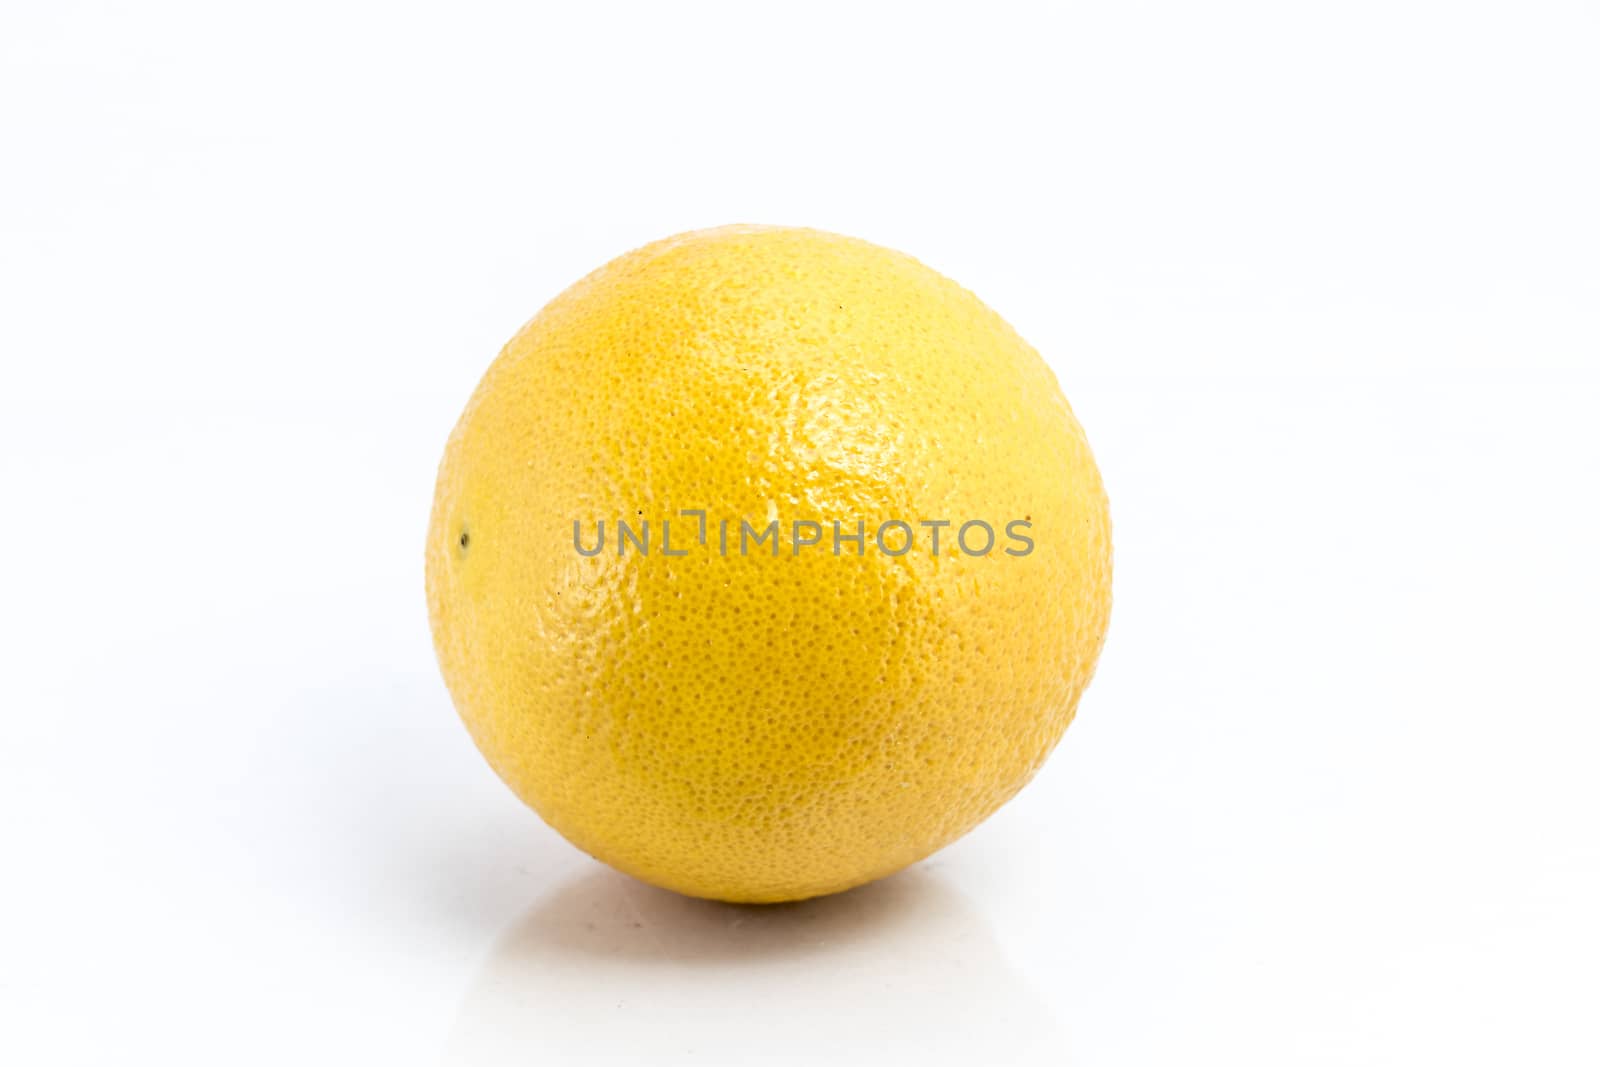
{"points": [[609, 970]]}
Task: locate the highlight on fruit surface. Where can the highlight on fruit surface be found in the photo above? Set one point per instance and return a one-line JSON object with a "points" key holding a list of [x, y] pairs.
{"points": [[765, 561]]}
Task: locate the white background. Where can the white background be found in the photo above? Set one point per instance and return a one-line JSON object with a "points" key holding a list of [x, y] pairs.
{"points": [[1322, 282]]}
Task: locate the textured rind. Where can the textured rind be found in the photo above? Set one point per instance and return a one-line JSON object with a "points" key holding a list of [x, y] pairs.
{"points": [[757, 728]]}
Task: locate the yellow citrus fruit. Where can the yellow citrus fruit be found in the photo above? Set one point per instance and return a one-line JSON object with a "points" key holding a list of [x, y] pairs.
{"points": [[814, 705]]}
